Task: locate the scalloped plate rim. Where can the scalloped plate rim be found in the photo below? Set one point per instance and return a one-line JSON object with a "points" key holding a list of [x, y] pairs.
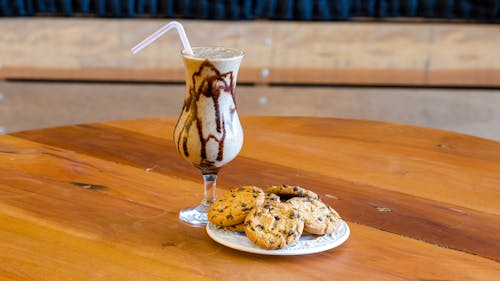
{"points": [[240, 242]]}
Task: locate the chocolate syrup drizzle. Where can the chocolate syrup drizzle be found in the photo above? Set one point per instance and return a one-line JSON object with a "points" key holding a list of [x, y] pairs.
{"points": [[211, 86]]}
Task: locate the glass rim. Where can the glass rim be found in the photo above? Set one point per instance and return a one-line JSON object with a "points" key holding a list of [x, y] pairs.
{"points": [[240, 55]]}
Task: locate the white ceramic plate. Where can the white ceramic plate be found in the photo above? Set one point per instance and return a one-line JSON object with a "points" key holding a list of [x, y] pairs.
{"points": [[307, 244]]}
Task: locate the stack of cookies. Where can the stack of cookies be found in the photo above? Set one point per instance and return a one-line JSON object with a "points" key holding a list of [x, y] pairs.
{"points": [[275, 218]]}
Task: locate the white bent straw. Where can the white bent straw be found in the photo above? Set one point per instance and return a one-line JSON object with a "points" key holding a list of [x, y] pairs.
{"points": [[173, 24]]}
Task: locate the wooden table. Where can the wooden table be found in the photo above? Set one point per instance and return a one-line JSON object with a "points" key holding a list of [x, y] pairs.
{"points": [[100, 202]]}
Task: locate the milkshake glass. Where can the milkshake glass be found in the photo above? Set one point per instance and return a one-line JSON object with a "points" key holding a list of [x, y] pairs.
{"points": [[208, 132]]}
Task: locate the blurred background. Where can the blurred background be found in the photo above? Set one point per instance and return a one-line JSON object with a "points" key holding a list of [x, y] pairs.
{"points": [[427, 63]]}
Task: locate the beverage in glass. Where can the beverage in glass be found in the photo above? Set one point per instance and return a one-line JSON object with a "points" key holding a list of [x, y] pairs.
{"points": [[208, 132]]}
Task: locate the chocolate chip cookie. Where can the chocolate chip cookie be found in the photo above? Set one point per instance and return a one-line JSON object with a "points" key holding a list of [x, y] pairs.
{"points": [[273, 225], [271, 197], [236, 227], [319, 218], [286, 191], [234, 205]]}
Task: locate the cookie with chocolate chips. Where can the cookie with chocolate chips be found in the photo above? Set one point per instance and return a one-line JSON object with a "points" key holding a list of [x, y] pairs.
{"points": [[234, 205], [319, 218], [272, 198], [286, 191], [236, 227], [273, 225]]}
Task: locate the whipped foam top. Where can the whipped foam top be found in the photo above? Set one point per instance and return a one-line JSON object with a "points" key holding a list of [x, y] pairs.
{"points": [[214, 53]]}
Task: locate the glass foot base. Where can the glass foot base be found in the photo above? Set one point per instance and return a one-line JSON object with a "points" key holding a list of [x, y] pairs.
{"points": [[195, 216]]}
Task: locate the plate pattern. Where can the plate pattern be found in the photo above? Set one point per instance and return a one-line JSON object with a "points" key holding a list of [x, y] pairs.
{"points": [[307, 244]]}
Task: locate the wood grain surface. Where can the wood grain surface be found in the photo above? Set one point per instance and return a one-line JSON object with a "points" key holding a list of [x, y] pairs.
{"points": [[100, 202], [425, 54]]}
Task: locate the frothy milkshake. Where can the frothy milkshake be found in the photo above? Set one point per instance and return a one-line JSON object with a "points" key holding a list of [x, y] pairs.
{"points": [[208, 132]]}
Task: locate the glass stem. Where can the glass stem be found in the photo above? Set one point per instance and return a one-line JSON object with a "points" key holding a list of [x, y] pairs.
{"points": [[209, 182]]}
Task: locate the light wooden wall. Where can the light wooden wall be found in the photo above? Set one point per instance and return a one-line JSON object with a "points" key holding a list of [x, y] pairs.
{"points": [[316, 59], [292, 52]]}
